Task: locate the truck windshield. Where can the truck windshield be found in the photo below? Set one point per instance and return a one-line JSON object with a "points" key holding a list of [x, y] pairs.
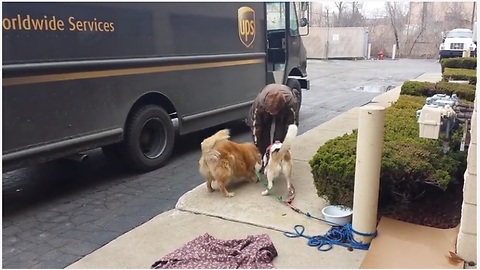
{"points": [[459, 34], [275, 15]]}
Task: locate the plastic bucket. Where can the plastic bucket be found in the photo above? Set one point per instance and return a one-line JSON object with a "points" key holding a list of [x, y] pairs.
{"points": [[337, 214]]}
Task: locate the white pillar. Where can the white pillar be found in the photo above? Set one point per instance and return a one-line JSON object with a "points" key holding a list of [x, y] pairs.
{"points": [[369, 51], [394, 51], [367, 170], [466, 53]]}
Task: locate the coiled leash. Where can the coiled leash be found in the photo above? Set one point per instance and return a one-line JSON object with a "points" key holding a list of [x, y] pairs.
{"points": [[337, 235]]}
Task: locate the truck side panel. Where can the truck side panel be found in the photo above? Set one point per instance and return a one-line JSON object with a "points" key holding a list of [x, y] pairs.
{"points": [[44, 112], [134, 30], [60, 85]]}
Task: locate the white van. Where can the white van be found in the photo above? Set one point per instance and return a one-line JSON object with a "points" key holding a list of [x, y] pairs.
{"points": [[456, 41]]}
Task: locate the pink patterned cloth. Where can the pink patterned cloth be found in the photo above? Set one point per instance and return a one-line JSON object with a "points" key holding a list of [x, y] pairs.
{"points": [[207, 252]]}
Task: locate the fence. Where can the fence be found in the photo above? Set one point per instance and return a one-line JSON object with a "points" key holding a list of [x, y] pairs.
{"points": [[336, 42]]}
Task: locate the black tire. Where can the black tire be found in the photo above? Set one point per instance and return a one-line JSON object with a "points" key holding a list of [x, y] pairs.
{"points": [[149, 139], [294, 84]]}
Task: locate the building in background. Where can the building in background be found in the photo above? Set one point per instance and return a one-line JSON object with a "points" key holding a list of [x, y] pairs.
{"points": [[449, 15]]}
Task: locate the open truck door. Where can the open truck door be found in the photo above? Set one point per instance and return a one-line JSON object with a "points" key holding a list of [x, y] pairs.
{"points": [[286, 54]]}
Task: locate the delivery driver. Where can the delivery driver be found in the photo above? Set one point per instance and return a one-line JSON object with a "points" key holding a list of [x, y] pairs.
{"points": [[275, 104]]}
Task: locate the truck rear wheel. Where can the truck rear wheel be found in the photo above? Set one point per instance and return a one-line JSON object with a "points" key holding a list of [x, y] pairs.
{"points": [[149, 138], [294, 84]]}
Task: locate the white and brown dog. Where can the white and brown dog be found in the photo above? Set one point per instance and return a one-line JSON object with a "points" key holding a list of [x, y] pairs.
{"points": [[278, 159]]}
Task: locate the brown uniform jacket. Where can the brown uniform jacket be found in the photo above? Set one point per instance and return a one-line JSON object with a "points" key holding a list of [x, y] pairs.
{"points": [[260, 121]]}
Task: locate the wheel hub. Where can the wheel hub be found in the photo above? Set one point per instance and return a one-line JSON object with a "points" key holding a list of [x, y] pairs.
{"points": [[153, 138]]}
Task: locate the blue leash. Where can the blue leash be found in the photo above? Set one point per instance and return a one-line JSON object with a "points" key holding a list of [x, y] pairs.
{"points": [[337, 235]]}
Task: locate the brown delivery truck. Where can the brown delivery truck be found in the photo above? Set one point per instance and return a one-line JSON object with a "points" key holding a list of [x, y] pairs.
{"points": [[128, 77]]}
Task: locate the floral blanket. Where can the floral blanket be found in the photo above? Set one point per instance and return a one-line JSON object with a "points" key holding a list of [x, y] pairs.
{"points": [[255, 251]]}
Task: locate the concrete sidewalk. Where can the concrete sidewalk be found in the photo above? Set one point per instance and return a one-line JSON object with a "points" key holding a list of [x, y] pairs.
{"points": [[198, 212]]}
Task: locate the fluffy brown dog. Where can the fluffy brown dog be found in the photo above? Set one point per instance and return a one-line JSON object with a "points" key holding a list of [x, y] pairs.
{"points": [[223, 160]]}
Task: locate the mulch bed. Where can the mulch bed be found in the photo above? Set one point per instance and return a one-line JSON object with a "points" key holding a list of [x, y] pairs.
{"points": [[437, 208]]}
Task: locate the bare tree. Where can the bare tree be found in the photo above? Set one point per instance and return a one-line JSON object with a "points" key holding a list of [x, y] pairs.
{"points": [[418, 30], [315, 18], [348, 14], [456, 16], [316, 14], [327, 16], [395, 16], [356, 17], [341, 6]]}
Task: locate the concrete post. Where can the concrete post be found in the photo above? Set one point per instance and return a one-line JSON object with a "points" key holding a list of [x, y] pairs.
{"points": [[466, 53], [369, 51], [394, 51], [367, 170]]}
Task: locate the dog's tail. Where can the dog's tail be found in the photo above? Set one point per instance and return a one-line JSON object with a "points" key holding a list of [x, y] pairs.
{"points": [[287, 142]]}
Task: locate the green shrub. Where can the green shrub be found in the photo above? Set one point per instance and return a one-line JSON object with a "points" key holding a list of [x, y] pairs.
{"points": [[459, 62], [414, 88], [460, 74], [463, 91], [408, 161]]}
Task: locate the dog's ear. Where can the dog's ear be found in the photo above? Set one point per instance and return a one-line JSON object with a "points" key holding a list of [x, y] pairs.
{"points": [[203, 146], [223, 134], [210, 142], [207, 144]]}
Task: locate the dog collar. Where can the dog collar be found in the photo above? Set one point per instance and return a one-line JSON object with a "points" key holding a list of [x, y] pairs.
{"points": [[271, 148], [275, 146]]}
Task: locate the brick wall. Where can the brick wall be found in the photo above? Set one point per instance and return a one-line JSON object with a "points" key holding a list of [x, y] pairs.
{"points": [[467, 238]]}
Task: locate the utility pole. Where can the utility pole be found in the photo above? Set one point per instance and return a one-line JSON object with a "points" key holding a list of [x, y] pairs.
{"points": [[328, 18], [473, 12], [328, 34]]}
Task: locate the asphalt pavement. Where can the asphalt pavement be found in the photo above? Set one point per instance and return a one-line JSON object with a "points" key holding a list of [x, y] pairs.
{"points": [[56, 213]]}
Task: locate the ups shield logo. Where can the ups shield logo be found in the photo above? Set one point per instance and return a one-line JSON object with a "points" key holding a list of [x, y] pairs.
{"points": [[246, 25]]}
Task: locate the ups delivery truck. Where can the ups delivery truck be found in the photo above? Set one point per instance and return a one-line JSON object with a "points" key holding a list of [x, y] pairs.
{"points": [[129, 77]]}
